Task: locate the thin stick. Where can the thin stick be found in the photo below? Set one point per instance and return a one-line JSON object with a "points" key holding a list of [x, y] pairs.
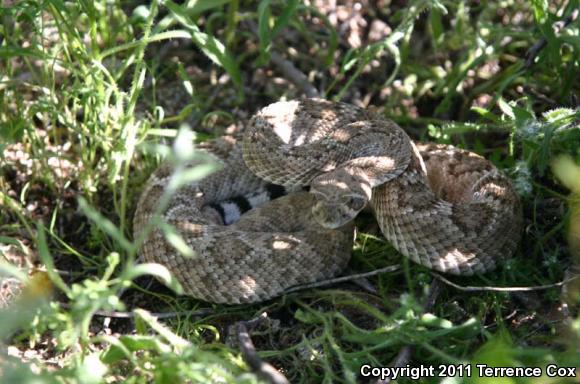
{"points": [[404, 356], [290, 72], [261, 368], [401, 360], [365, 284], [504, 289], [342, 279], [533, 52], [160, 315], [288, 69]]}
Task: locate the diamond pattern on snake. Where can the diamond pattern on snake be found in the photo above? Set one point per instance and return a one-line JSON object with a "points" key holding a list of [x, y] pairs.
{"points": [[256, 231]]}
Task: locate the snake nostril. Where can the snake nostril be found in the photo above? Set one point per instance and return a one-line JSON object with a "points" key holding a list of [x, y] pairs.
{"points": [[357, 203]]}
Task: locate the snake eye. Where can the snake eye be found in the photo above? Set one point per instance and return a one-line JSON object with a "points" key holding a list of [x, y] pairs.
{"points": [[356, 202]]}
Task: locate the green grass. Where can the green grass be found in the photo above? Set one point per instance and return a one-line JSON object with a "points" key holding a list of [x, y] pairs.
{"points": [[91, 93]]}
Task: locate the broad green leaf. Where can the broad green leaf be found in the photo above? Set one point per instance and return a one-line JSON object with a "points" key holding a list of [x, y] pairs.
{"points": [[506, 108], [153, 323], [197, 172], [159, 271], [486, 114], [558, 114], [434, 321], [522, 115], [175, 239], [133, 343]]}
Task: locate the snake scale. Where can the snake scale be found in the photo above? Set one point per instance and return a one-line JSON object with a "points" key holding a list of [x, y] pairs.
{"points": [[445, 208]]}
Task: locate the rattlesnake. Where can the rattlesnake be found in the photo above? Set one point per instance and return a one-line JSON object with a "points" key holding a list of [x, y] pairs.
{"points": [[443, 207]]}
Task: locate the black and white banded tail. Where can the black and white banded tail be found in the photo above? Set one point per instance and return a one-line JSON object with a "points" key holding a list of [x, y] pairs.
{"points": [[230, 210]]}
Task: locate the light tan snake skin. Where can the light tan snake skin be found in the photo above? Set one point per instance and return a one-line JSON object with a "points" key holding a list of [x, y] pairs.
{"points": [[445, 208]]}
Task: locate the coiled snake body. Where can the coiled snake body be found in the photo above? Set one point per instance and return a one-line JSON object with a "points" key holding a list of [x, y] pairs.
{"points": [[445, 208]]}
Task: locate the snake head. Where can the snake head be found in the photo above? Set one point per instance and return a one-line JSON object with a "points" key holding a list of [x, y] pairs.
{"points": [[339, 198]]}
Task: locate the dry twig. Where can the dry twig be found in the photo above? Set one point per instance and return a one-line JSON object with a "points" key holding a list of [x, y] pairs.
{"points": [[288, 69], [261, 368], [343, 279], [503, 289], [404, 356], [533, 52]]}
